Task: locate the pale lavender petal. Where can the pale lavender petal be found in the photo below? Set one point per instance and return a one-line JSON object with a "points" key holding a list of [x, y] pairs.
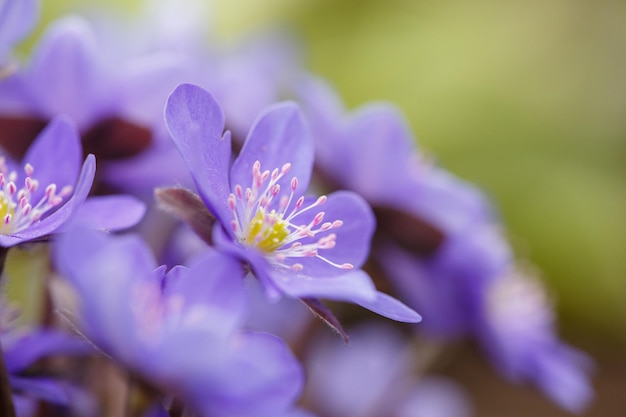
{"points": [[66, 75], [17, 18], [55, 156], [279, 136], [381, 150], [264, 378], [104, 270], [436, 397], [111, 212], [151, 169], [563, 375], [389, 307], [215, 283], [146, 83], [196, 122]]}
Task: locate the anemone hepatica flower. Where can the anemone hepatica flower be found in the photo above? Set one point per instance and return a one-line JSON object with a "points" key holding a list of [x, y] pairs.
{"points": [[112, 94], [296, 245], [420, 209], [48, 189], [181, 331], [439, 245]]}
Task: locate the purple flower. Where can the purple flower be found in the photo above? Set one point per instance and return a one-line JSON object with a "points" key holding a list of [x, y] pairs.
{"points": [[21, 349], [420, 209], [115, 101], [440, 246], [44, 192], [17, 18], [297, 245], [179, 331]]}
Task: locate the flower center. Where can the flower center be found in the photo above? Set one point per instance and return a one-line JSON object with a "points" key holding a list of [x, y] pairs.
{"points": [[268, 221], [17, 209]]}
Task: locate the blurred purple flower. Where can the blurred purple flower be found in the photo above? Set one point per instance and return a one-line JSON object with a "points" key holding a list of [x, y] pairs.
{"points": [[22, 349], [420, 209], [373, 376], [296, 245], [178, 331], [17, 18], [48, 189], [116, 103], [438, 243]]}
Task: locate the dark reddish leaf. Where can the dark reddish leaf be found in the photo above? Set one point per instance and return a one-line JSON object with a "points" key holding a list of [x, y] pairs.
{"points": [[187, 206], [412, 233], [18, 132], [114, 138]]}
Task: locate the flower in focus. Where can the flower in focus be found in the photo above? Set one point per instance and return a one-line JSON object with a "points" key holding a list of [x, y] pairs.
{"points": [[297, 245], [48, 189], [179, 332]]}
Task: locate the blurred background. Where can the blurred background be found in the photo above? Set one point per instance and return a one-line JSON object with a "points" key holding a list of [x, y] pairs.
{"points": [[525, 98]]}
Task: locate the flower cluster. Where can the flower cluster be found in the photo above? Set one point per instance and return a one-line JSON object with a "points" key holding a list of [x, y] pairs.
{"points": [[247, 246]]}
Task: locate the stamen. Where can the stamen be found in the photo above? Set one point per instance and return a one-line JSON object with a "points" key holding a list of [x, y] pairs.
{"points": [[18, 209], [268, 225]]}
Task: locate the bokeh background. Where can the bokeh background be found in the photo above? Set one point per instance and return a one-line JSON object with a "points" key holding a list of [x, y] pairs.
{"points": [[525, 98]]}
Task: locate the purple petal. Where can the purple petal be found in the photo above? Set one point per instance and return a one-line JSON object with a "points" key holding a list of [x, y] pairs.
{"points": [[40, 344], [80, 250], [114, 212], [147, 82], [263, 378], [150, 169], [55, 155], [104, 270], [196, 122], [279, 136], [17, 18], [381, 150], [65, 73], [563, 375], [353, 237], [45, 389], [346, 287], [389, 307], [215, 282]]}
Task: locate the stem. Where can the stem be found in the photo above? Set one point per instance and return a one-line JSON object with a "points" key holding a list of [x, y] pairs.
{"points": [[6, 398]]}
